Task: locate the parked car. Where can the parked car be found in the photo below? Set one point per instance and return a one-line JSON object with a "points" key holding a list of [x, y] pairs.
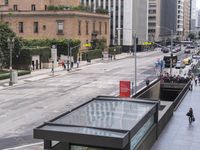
{"points": [[179, 65]]}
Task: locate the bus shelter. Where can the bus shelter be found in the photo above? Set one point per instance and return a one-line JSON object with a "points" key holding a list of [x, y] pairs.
{"points": [[103, 123]]}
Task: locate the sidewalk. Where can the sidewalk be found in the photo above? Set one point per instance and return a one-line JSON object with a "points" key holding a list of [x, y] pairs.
{"points": [[178, 134], [46, 73]]}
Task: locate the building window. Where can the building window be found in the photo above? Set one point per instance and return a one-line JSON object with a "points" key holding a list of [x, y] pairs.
{"points": [[15, 7], [44, 27], [94, 26], [33, 8], [35, 27], [106, 28], [45, 7], [87, 27], [60, 26], [100, 28], [79, 27], [21, 27], [6, 2]]}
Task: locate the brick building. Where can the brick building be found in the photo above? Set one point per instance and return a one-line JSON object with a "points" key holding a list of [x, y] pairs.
{"points": [[31, 19]]}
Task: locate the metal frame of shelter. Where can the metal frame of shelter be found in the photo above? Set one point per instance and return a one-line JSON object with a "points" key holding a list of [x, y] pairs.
{"points": [[66, 138]]}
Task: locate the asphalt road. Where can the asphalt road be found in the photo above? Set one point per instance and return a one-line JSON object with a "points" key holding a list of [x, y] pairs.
{"points": [[27, 106]]}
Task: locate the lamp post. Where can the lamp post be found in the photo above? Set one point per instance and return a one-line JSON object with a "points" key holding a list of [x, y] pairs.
{"points": [[134, 39], [68, 53], [10, 47]]}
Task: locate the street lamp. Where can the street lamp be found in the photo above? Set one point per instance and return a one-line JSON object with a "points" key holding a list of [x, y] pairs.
{"points": [[10, 47], [171, 54], [135, 50]]}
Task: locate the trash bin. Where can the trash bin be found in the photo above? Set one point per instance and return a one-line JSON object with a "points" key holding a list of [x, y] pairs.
{"points": [[14, 76]]}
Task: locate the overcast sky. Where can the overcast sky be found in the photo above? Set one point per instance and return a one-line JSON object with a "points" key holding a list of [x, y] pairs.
{"points": [[198, 4]]}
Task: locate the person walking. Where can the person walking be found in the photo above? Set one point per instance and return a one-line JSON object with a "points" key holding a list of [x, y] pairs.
{"points": [[196, 80], [77, 63], [147, 82], [190, 114]]}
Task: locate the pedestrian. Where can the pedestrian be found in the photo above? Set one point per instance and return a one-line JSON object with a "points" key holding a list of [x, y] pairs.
{"points": [[147, 82], [130, 52], [191, 85], [199, 80], [190, 114], [72, 64], [77, 63], [195, 80]]}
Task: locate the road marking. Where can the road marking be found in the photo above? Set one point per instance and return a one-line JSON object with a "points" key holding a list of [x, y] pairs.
{"points": [[23, 146]]}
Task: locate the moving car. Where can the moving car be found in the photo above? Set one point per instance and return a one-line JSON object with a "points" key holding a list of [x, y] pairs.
{"points": [[187, 61], [179, 65], [187, 50], [196, 57], [165, 50]]}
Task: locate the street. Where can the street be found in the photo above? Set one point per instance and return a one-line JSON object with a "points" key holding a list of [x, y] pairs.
{"points": [[26, 106]]}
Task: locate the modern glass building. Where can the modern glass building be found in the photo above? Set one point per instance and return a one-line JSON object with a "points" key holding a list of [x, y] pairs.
{"points": [[104, 123]]}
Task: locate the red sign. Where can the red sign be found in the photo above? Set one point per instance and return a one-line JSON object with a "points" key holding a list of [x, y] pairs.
{"points": [[125, 88]]}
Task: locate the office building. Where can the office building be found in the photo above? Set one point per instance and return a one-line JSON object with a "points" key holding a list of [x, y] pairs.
{"points": [[168, 18], [154, 20], [193, 21], [180, 12], [198, 19], [186, 19], [127, 18]]}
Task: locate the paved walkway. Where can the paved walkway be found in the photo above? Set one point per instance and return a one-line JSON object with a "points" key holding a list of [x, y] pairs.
{"points": [[46, 73], [178, 134]]}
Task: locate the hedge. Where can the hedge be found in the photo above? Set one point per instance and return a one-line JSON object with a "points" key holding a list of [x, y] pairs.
{"points": [[92, 54], [43, 52], [117, 48], [61, 44], [19, 72]]}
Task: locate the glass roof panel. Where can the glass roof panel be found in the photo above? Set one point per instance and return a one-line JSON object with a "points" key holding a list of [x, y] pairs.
{"points": [[121, 115]]}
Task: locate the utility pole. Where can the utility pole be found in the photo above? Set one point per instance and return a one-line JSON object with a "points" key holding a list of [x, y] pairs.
{"points": [[68, 51], [135, 51], [171, 59]]}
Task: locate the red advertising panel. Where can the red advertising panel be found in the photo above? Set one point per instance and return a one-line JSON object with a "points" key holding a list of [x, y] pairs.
{"points": [[125, 88]]}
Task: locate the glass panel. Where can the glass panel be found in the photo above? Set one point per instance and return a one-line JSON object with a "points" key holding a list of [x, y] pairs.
{"points": [[122, 115], [141, 133], [74, 147]]}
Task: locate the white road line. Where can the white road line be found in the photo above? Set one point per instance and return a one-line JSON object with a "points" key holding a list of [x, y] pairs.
{"points": [[24, 146]]}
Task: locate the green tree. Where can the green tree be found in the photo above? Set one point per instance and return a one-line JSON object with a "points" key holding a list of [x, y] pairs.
{"points": [[191, 36], [5, 33]]}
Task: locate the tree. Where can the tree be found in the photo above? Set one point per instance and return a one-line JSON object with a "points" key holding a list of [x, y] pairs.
{"points": [[5, 33], [191, 36]]}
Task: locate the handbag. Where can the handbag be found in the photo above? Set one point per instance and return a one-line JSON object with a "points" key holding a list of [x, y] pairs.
{"points": [[188, 114], [193, 119]]}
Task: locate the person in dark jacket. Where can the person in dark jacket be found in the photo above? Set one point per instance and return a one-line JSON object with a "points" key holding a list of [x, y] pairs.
{"points": [[190, 114]]}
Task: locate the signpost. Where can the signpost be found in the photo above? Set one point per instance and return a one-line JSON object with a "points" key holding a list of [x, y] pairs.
{"points": [[125, 88], [53, 57]]}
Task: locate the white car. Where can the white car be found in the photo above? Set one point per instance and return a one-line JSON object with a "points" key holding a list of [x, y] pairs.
{"points": [[179, 65]]}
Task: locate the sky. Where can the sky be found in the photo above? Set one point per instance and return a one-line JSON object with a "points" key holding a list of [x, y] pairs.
{"points": [[198, 4]]}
